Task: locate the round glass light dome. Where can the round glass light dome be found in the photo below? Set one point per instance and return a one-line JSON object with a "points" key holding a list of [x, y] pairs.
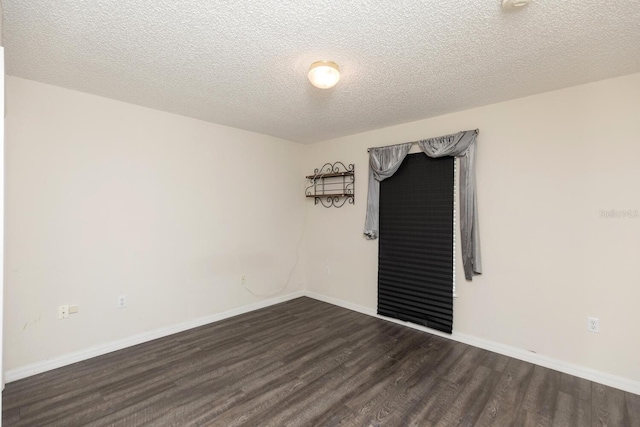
{"points": [[324, 74]]}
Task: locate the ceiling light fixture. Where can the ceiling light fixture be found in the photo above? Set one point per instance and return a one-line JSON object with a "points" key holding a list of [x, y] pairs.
{"points": [[324, 74], [514, 4]]}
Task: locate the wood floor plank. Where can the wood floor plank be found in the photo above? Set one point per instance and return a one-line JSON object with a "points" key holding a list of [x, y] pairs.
{"points": [[308, 363], [539, 403], [11, 416], [375, 389], [331, 356], [98, 378], [315, 399], [204, 402], [401, 402], [465, 366], [633, 408], [442, 356], [376, 400], [427, 410], [427, 395], [609, 407], [70, 410], [262, 405], [576, 387], [337, 416], [137, 388], [502, 407], [361, 368], [43, 386], [472, 398], [571, 412], [138, 412]]}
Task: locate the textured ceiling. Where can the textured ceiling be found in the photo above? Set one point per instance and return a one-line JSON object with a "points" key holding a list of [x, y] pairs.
{"points": [[244, 64]]}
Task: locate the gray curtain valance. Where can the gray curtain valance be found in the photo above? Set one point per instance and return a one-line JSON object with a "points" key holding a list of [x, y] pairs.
{"points": [[385, 161]]}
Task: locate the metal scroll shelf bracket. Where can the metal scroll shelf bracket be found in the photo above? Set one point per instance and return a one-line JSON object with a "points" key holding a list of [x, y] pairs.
{"points": [[332, 185]]}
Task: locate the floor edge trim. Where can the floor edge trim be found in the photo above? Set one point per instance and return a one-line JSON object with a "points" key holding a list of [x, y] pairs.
{"points": [[78, 356], [611, 380]]}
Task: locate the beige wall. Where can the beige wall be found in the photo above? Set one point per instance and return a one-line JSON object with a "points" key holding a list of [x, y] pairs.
{"points": [[547, 165], [106, 198]]}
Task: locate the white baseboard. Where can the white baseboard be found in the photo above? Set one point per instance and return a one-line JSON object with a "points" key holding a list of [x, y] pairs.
{"points": [[537, 359], [68, 359], [517, 353]]}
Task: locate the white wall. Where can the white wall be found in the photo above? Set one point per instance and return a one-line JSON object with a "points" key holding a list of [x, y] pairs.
{"points": [[2, 204], [547, 165], [106, 198]]}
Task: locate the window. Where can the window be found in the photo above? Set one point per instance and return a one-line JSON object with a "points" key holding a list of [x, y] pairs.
{"points": [[415, 264]]}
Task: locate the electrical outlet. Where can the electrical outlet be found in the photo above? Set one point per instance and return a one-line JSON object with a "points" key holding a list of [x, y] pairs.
{"points": [[243, 280], [63, 312], [327, 271], [122, 301], [593, 324]]}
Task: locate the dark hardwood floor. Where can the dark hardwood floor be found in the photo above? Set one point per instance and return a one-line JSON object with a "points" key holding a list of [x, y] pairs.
{"points": [[307, 363]]}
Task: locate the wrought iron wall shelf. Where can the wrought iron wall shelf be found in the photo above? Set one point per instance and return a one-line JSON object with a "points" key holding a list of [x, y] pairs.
{"points": [[332, 185]]}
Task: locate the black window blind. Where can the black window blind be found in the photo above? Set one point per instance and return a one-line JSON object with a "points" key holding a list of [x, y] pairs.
{"points": [[415, 262]]}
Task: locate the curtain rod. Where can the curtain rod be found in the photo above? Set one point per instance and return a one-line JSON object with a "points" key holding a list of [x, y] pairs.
{"points": [[477, 131]]}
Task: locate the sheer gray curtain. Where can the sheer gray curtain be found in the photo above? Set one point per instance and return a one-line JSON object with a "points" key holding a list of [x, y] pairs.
{"points": [[462, 145], [383, 162]]}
